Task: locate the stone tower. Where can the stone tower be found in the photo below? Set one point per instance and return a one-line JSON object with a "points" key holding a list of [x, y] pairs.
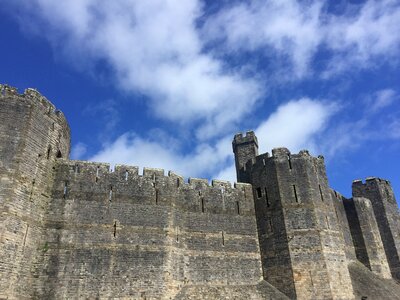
{"points": [[34, 134], [245, 149], [302, 247], [380, 193]]}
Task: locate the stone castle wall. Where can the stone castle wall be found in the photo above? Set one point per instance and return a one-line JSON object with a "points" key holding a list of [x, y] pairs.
{"points": [[152, 234], [76, 229]]}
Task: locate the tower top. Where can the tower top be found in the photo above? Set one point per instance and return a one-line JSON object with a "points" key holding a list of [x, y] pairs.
{"points": [[249, 138]]}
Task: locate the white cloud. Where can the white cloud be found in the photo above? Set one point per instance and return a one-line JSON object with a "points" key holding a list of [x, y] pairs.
{"points": [[78, 151], [381, 99], [293, 125], [154, 48], [373, 124], [288, 28], [367, 38], [296, 31], [132, 149]]}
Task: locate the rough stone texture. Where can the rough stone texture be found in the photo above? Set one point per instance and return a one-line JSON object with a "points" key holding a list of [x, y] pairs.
{"points": [[245, 149], [369, 286], [302, 246], [254, 292], [366, 237], [340, 213], [118, 233], [32, 133], [77, 230], [386, 211]]}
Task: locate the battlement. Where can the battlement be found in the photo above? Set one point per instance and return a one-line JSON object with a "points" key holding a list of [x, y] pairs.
{"points": [[281, 154], [249, 137], [153, 187], [370, 181], [31, 95], [125, 172]]}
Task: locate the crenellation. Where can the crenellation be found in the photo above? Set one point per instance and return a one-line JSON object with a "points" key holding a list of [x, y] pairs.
{"points": [[280, 152], [249, 137], [221, 184], [153, 173], [198, 182]]}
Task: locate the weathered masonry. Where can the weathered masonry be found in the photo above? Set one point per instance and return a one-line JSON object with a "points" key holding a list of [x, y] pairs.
{"points": [[75, 229]]}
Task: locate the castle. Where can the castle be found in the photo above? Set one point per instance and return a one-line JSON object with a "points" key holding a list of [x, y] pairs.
{"points": [[76, 230]]}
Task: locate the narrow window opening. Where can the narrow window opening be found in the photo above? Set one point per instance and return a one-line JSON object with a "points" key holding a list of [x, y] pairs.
{"points": [[259, 194], [320, 192], [263, 161], [115, 228], [266, 197], [178, 182], [97, 174], [126, 175], [52, 126], [77, 168], [59, 155], [222, 189], [270, 225], [177, 234], [223, 238], [111, 193], [238, 207], [157, 197], [48, 152], [290, 162], [31, 193], [312, 283], [65, 190], [202, 205], [295, 194], [26, 234]]}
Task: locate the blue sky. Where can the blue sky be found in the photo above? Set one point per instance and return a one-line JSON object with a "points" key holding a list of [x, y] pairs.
{"points": [[168, 83]]}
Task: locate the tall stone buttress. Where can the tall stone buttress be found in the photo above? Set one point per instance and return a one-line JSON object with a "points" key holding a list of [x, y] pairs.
{"points": [[380, 193]]}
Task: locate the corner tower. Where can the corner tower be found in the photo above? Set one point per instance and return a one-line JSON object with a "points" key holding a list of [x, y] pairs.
{"points": [[33, 135], [245, 148], [302, 247], [380, 193]]}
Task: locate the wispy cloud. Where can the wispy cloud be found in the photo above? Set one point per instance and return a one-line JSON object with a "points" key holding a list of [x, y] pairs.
{"points": [[78, 151], [154, 48], [381, 99], [294, 125], [295, 31], [372, 124]]}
